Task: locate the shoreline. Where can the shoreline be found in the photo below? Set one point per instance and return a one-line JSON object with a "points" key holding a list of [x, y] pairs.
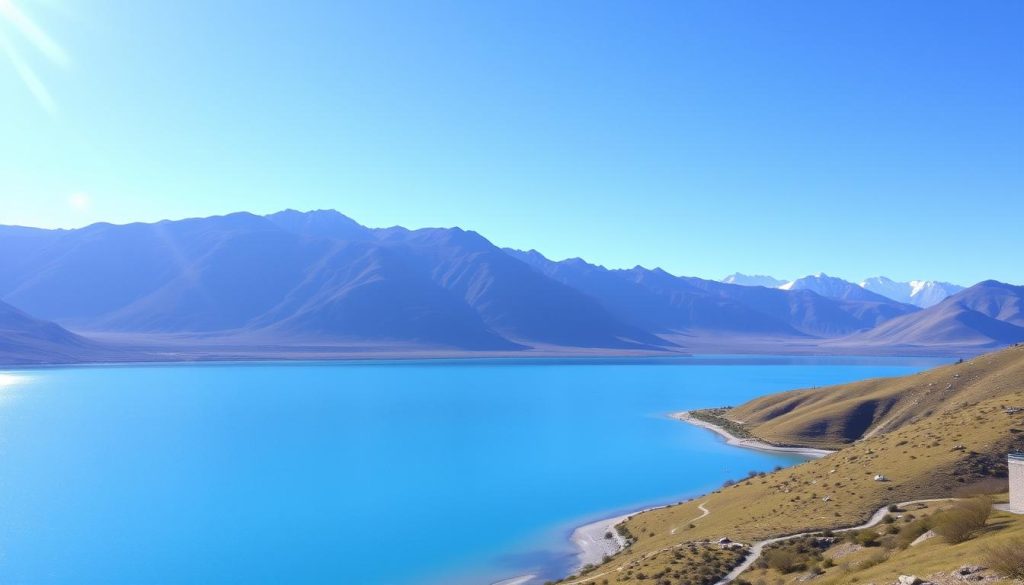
{"points": [[591, 544], [590, 539], [754, 444], [523, 580], [231, 354]]}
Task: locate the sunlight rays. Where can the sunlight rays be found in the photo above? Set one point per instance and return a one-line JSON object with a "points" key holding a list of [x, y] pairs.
{"points": [[28, 77], [12, 17]]}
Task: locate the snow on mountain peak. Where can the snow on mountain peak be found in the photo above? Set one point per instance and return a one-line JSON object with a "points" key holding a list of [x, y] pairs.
{"points": [[922, 293], [753, 280]]}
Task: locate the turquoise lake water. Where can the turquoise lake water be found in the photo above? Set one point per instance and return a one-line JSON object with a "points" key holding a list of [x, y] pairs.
{"points": [[413, 473]]}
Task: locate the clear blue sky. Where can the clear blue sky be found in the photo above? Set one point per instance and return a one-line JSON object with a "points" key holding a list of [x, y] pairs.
{"points": [[857, 138]]}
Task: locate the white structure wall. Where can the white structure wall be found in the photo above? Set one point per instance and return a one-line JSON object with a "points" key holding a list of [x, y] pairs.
{"points": [[1016, 465]]}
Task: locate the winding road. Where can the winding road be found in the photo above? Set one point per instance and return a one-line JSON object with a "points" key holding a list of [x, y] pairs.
{"points": [[758, 547]]}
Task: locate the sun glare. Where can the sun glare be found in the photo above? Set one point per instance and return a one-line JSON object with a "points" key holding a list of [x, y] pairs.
{"points": [[14, 19], [79, 201], [8, 380]]}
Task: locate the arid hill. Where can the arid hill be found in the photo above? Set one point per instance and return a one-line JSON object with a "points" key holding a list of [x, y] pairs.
{"points": [[838, 415], [937, 434]]}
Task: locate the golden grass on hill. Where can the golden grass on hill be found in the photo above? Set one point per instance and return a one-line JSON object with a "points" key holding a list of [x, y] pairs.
{"points": [[932, 559], [688, 563], [838, 415], [957, 438]]}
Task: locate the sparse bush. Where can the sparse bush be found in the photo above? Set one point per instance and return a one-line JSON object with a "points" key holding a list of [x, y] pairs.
{"points": [[963, 520], [1006, 558], [867, 538], [876, 558], [783, 561]]}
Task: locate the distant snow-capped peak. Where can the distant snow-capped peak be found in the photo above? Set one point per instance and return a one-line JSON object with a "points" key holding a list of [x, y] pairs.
{"points": [[830, 286], [922, 293], [753, 280]]}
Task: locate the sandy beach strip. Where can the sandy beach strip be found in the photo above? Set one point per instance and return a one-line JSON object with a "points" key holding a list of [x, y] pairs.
{"points": [[593, 542], [517, 580], [735, 441], [591, 538]]}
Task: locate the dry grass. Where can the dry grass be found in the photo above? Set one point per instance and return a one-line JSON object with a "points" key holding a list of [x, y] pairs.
{"points": [[964, 520], [839, 415], [1006, 557], [939, 454], [935, 559], [690, 563]]}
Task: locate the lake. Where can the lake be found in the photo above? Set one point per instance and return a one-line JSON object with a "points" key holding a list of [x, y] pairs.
{"points": [[395, 473]]}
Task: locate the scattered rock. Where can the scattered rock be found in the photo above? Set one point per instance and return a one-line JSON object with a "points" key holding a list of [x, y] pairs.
{"points": [[825, 541], [923, 537], [841, 550], [965, 574], [970, 570]]}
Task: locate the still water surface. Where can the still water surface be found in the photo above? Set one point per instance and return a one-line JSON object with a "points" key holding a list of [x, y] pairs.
{"points": [[404, 473]]}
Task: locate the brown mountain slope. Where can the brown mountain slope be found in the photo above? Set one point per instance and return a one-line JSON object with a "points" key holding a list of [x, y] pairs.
{"points": [[838, 415], [954, 446], [27, 340], [989, 314]]}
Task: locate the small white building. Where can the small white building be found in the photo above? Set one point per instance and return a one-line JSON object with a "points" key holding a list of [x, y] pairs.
{"points": [[1015, 463]]}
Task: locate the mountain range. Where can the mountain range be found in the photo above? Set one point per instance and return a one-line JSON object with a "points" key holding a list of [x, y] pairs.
{"points": [[27, 340], [319, 283], [753, 280], [920, 293]]}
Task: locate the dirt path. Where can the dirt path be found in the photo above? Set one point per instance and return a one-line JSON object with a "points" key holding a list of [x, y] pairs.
{"points": [[702, 509], [758, 547], [755, 549]]}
